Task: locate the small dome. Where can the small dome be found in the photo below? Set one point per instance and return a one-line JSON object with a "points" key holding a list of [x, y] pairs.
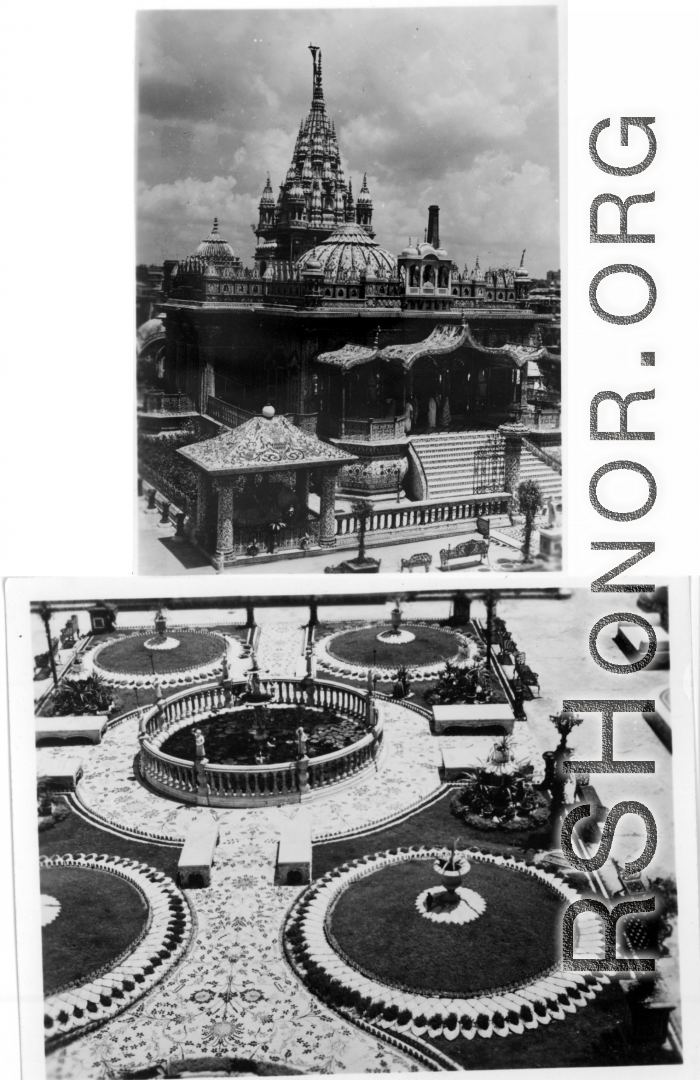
{"points": [[268, 411], [521, 273], [215, 247], [349, 249]]}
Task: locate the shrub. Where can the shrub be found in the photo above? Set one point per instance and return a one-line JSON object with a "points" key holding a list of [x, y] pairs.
{"points": [[466, 1022], [82, 697], [420, 1021], [513, 1017], [540, 1009], [391, 1012], [375, 1009], [451, 1021], [435, 1021], [405, 1017], [526, 1013], [482, 1021], [499, 1020]]}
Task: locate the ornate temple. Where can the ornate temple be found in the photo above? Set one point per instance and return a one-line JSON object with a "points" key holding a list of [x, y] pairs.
{"points": [[419, 376]]}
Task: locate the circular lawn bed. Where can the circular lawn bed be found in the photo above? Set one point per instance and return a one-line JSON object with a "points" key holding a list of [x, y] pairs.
{"points": [[430, 646], [129, 657], [518, 937], [100, 917]]}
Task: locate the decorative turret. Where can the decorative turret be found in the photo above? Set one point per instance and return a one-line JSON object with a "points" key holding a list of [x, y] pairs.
{"points": [[364, 207], [266, 206]]}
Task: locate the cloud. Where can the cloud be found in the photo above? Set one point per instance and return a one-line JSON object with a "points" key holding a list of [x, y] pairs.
{"points": [[456, 106]]}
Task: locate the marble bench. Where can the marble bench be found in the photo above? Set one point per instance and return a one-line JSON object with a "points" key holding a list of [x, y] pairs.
{"points": [[197, 856], [91, 728], [294, 852], [473, 717]]}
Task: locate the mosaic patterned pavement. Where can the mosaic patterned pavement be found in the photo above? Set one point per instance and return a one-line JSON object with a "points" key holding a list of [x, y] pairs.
{"points": [[233, 992]]}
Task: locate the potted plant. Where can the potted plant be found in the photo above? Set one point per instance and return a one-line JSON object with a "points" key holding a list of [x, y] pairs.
{"points": [[647, 1010], [530, 500]]}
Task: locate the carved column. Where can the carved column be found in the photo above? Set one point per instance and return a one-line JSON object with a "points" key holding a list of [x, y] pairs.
{"points": [[328, 482], [200, 520], [302, 487], [513, 436], [224, 522]]}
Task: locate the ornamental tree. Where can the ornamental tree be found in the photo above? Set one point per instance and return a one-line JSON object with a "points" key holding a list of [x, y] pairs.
{"points": [[530, 500]]}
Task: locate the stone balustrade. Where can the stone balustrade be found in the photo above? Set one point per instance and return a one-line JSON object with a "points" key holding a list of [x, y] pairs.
{"points": [[157, 401], [373, 429], [425, 513], [253, 785]]}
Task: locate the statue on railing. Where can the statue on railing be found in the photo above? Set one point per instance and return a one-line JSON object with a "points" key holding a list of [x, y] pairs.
{"points": [[199, 750], [302, 739]]}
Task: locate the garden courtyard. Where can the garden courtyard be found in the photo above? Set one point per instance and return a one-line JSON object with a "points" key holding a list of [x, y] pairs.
{"points": [[376, 965]]}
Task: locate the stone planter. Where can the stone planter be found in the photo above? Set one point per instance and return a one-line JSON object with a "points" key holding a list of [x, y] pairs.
{"points": [[647, 1021]]}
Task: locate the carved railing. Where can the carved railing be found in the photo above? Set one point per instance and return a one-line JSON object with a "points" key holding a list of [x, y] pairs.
{"points": [[225, 413], [373, 429], [298, 535], [250, 785], [542, 455], [426, 513], [157, 401]]}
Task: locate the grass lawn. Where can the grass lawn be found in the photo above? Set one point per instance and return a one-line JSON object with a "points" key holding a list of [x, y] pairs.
{"points": [[517, 937], [130, 657], [433, 825], [590, 1037], [100, 916], [74, 835], [359, 646]]}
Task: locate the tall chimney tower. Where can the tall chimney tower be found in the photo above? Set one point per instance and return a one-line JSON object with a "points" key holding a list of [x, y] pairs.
{"points": [[434, 226]]}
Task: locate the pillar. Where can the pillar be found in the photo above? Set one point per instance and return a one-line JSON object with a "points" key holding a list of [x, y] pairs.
{"points": [[250, 616], [513, 436], [224, 522], [302, 487], [328, 482], [200, 517]]}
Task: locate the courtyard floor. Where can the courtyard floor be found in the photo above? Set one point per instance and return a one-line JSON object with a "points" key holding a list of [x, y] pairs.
{"points": [[233, 992], [160, 552]]}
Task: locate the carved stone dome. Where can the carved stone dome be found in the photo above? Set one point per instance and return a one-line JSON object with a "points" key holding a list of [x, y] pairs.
{"points": [[350, 249], [215, 247]]}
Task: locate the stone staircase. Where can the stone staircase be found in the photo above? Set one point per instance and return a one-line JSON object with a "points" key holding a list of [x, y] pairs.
{"points": [[445, 465], [447, 462], [531, 468]]}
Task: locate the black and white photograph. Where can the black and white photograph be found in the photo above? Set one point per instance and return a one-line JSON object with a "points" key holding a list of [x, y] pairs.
{"points": [[344, 832], [348, 290]]}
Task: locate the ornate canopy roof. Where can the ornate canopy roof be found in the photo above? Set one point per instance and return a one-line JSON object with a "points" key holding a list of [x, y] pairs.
{"points": [[350, 250], [444, 339], [267, 443]]}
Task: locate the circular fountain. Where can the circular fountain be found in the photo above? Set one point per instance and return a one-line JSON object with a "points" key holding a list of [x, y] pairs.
{"points": [[161, 642], [396, 636], [450, 902]]}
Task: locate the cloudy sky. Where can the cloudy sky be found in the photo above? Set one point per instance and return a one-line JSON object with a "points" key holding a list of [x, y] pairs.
{"points": [[457, 107]]}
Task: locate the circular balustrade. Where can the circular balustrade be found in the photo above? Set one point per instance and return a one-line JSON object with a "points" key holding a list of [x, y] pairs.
{"points": [[297, 779]]}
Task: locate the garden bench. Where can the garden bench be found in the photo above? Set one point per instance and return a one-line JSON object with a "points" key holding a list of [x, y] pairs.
{"points": [[294, 852], [421, 558], [524, 675], [472, 717], [466, 553], [91, 728], [58, 771], [194, 864]]}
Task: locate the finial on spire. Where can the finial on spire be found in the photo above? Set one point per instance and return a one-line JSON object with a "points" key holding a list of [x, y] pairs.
{"points": [[522, 258], [215, 226], [318, 83]]}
